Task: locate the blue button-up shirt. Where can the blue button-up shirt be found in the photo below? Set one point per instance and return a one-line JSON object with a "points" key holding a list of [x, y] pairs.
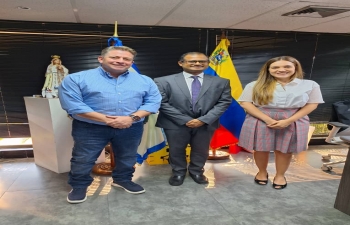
{"points": [[96, 90]]}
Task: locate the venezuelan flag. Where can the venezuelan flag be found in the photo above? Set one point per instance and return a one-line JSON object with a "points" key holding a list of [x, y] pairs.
{"points": [[231, 121]]}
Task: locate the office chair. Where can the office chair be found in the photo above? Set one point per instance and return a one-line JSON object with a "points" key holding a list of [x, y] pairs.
{"points": [[338, 138]]}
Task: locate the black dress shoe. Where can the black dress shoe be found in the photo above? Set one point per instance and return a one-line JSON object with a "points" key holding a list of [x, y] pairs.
{"points": [[176, 180], [200, 179]]}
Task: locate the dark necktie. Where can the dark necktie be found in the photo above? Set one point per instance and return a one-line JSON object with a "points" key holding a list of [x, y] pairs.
{"points": [[196, 87]]}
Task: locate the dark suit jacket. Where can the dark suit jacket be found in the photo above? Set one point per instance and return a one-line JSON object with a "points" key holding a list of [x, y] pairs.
{"points": [[176, 107]]}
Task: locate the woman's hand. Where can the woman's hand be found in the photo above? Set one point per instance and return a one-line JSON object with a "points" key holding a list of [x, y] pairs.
{"points": [[280, 124], [270, 121]]}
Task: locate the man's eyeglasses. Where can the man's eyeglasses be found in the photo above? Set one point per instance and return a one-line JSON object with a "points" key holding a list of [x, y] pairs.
{"points": [[195, 61]]}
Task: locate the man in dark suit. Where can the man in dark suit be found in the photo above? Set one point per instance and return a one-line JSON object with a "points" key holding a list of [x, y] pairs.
{"points": [[192, 103]]}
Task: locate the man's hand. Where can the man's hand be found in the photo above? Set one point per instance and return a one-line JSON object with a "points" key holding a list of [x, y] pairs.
{"points": [[194, 123], [280, 124], [120, 122]]}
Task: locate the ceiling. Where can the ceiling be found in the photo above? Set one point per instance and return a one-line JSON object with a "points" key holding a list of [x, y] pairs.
{"points": [[228, 14]]}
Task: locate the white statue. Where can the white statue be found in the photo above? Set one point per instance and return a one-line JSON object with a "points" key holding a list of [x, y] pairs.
{"points": [[54, 75]]}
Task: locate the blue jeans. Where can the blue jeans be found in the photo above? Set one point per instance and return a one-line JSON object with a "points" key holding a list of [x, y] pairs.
{"points": [[89, 141]]}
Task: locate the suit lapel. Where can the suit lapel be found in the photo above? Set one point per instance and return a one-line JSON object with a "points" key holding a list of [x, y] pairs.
{"points": [[181, 82], [207, 80]]}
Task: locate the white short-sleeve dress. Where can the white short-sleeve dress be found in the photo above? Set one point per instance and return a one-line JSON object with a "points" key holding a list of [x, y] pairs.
{"points": [[287, 100]]}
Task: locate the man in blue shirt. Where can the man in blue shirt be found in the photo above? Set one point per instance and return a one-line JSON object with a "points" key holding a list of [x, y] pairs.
{"points": [[108, 104]]}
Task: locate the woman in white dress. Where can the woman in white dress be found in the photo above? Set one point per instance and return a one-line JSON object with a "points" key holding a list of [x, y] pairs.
{"points": [[277, 105]]}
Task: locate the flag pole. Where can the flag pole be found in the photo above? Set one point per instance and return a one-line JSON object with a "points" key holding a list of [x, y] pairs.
{"points": [[221, 152], [206, 45], [215, 154], [115, 29], [223, 35], [106, 168]]}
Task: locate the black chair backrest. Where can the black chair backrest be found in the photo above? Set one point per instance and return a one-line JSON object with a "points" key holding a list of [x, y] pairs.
{"points": [[340, 112]]}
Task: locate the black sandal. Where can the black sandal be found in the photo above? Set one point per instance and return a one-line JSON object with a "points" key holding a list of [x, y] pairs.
{"points": [[261, 182], [279, 186]]}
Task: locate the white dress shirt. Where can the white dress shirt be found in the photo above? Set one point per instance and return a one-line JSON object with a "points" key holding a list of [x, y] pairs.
{"points": [[295, 94], [189, 80]]}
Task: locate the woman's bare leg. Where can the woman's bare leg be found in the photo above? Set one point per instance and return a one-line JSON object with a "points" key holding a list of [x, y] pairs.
{"points": [[261, 161], [282, 161]]}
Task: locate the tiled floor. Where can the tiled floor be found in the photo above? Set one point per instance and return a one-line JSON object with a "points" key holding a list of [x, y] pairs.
{"points": [[33, 195]]}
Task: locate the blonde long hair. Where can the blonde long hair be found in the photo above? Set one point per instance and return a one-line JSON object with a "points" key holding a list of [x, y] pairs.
{"points": [[265, 84]]}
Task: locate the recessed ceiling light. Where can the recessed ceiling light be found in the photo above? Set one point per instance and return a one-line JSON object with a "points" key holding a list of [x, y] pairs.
{"points": [[23, 8]]}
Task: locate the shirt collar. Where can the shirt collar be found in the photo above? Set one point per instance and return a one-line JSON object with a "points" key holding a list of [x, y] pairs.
{"points": [[294, 81], [188, 75], [109, 75]]}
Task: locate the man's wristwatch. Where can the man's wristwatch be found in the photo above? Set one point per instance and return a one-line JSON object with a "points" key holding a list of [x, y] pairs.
{"points": [[135, 118]]}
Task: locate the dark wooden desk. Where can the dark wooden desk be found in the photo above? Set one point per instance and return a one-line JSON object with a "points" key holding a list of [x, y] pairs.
{"points": [[342, 201]]}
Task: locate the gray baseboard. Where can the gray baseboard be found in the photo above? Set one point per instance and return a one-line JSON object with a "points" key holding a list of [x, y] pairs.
{"points": [[16, 153]]}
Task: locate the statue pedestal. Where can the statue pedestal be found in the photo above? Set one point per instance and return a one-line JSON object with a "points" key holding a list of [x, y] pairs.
{"points": [[50, 128]]}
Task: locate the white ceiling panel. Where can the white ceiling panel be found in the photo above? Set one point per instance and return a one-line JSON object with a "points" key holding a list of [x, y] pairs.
{"points": [[314, 2], [323, 2], [132, 12], [336, 26], [217, 14], [275, 21], [232, 14], [40, 10]]}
